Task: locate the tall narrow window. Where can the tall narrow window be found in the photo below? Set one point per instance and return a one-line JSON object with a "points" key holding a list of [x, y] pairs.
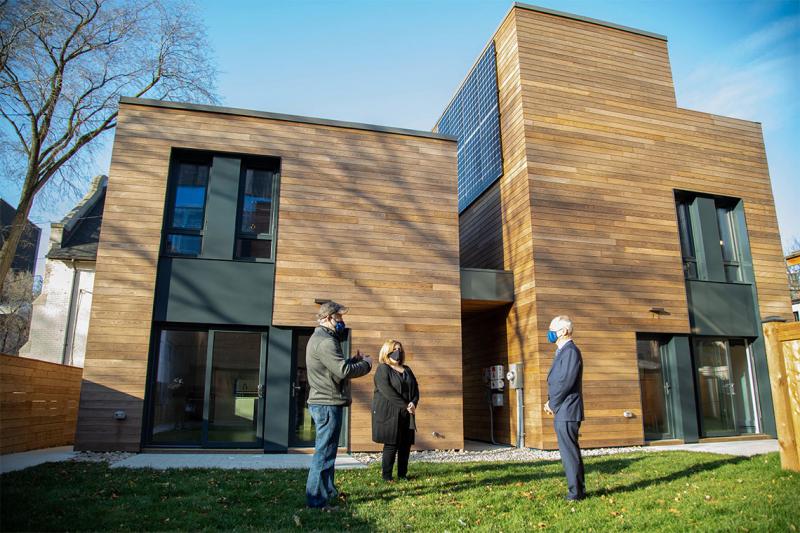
{"points": [[687, 242], [255, 230], [727, 240], [187, 207]]}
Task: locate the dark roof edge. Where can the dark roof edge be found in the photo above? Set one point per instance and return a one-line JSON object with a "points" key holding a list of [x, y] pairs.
{"points": [[279, 116], [563, 14]]}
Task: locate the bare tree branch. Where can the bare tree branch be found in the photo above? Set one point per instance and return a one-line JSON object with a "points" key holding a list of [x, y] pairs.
{"points": [[65, 63]]}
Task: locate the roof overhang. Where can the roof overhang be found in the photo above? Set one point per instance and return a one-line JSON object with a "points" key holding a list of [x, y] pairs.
{"points": [[483, 289]]}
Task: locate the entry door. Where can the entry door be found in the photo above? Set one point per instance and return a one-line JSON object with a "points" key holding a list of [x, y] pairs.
{"points": [[302, 431], [656, 389], [234, 407], [715, 388]]}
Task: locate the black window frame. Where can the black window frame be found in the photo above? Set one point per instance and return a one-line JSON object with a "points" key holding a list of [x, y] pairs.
{"points": [[180, 157], [685, 234], [729, 205], [271, 164]]}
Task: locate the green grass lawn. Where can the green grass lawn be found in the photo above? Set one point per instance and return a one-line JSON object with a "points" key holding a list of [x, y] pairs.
{"points": [[666, 491]]}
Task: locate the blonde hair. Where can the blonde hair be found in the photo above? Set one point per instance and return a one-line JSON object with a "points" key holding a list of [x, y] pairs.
{"points": [[387, 348]]}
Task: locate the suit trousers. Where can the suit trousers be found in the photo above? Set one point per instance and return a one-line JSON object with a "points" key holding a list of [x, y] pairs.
{"points": [[567, 435]]}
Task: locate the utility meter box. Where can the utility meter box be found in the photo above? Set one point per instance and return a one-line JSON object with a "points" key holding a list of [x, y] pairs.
{"points": [[497, 399], [515, 375]]}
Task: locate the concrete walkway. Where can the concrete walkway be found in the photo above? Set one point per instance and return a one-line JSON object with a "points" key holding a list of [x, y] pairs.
{"points": [[744, 448], [18, 461], [163, 461]]}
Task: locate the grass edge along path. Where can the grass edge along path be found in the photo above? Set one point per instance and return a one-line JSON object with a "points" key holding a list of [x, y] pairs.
{"points": [[655, 491]]}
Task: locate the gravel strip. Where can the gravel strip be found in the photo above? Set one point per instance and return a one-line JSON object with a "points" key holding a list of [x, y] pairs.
{"points": [[494, 455], [101, 457]]}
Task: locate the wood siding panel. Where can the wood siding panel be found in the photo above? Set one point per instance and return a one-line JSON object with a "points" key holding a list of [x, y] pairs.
{"points": [[606, 148], [594, 147], [366, 218], [38, 404]]}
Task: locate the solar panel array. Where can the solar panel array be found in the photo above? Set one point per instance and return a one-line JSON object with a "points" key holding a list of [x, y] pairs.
{"points": [[473, 117]]}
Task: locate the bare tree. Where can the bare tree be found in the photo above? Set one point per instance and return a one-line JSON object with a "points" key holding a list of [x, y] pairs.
{"points": [[15, 311], [63, 66]]}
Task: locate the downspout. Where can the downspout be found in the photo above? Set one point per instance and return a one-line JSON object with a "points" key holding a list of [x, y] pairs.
{"points": [[66, 352]]}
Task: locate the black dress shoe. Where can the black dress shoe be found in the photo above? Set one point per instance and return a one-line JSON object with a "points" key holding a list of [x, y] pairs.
{"points": [[575, 498]]}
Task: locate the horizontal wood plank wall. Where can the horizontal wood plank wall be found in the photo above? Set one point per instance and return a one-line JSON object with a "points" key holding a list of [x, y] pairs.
{"points": [[38, 404], [606, 147], [370, 220], [523, 319], [366, 218]]}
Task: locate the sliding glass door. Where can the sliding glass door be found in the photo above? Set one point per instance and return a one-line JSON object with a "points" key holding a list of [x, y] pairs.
{"points": [[725, 387], [208, 389], [236, 392]]}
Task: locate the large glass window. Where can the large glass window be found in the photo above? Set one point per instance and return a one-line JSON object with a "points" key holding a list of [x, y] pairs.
{"points": [[726, 387], [727, 241], [235, 387], [208, 388], [705, 222], [179, 386], [254, 237], [186, 211], [687, 241]]}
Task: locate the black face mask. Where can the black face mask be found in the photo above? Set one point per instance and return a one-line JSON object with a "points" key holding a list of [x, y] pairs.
{"points": [[395, 355]]}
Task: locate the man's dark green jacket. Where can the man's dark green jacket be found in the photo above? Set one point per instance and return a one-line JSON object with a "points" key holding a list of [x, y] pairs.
{"points": [[329, 371]]}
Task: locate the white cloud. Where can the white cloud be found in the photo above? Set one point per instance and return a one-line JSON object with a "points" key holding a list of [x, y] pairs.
{"points": [[776, 33], [754, 78]]}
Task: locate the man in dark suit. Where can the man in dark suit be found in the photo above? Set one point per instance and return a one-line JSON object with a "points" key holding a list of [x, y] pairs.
{"points": [[565, 401]]}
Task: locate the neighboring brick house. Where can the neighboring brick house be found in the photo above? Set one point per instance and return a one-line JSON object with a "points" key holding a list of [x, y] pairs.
{"points": [[61, 312]]}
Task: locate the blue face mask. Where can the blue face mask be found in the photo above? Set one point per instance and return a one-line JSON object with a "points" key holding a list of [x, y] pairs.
{"points": [[552, 336], [340, 327]]}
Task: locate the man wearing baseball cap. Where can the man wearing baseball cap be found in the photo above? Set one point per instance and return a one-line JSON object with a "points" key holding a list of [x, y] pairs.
{"points": [[329, 375]]}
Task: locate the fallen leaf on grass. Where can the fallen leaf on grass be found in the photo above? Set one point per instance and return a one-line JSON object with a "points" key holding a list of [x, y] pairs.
{"points": [[297, 521]]}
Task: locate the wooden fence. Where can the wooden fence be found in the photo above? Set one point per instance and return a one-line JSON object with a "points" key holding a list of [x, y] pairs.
{"points": [[38, 404], [783, 357]]}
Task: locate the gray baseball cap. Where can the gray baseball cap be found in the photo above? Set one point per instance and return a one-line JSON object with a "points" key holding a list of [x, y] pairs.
{"points": [[330, 308]]}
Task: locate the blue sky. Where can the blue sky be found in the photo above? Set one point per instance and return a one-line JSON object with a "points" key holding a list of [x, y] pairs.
{"points": [[399, 62]]}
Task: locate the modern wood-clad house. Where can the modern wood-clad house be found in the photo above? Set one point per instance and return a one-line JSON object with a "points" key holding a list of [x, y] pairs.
{"points": [[652, 226], [223, 230], [577, 186]]}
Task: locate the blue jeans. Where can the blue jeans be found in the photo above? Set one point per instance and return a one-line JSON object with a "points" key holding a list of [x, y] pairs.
{"points": [[320, 487]]}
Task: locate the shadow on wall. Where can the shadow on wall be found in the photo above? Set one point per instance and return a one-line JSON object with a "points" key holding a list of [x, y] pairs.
{"points": [[425, 241], [98, 429], [484, 335]]}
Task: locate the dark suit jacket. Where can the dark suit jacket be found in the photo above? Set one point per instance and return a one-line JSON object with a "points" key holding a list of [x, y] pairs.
{"points": [[564, 384]]}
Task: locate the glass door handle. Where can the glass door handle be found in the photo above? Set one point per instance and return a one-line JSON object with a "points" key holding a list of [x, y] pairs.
{"points": [[260, 391], [667, 387]]}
